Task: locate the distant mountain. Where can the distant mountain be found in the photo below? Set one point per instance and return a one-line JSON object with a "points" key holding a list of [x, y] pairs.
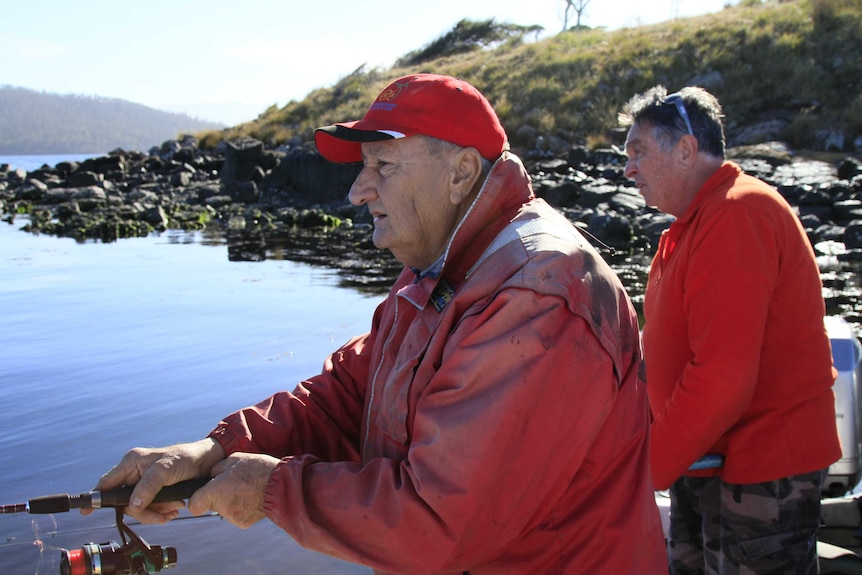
{"points": [[33, 122]]}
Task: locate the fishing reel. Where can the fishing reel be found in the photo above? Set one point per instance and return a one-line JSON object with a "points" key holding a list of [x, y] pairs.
{"points": [[133, 557]]}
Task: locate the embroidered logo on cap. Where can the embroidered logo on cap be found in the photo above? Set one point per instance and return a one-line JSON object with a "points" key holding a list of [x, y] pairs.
{"points": [[384, 100]]}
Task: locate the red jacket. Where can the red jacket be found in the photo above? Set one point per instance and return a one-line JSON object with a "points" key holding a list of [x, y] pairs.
{"points": [[491, 421], [738, 360]]}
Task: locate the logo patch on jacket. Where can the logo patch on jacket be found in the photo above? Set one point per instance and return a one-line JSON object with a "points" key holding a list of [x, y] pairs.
{"points": [[442, 295]]}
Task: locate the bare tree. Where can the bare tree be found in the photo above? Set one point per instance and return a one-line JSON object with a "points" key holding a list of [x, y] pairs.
{"points": [[579, 7]]}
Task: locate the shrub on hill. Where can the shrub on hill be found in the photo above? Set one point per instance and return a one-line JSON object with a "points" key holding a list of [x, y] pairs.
{"points": [[790, 65]]}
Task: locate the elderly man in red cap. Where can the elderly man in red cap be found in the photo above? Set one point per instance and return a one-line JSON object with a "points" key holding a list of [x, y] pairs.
{"points": [[490, 421]]}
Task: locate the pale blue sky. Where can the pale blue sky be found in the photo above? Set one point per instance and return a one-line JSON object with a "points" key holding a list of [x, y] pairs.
{"points": [[228, 61]]}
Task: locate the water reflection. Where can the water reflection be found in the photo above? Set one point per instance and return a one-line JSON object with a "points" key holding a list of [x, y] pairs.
{"points": [[346, 250], [244, 247], [349, 252]]}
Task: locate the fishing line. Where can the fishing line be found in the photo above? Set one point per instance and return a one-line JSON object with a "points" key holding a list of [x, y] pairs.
{"points": [[52, 563], [13, 541], [132, 555]]}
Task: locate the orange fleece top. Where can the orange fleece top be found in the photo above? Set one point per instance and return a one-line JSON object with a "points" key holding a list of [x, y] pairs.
{"points": [[738, 361]]}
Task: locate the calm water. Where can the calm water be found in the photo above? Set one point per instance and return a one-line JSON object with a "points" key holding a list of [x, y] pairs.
{"points": [[148, 342], [33, 162]]}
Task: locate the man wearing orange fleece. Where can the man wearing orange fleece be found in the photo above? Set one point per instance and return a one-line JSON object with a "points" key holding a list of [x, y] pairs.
{"points": [[738, 361]]}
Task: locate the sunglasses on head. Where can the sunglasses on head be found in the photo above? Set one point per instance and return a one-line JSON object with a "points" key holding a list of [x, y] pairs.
{"points": [[676, 100]]}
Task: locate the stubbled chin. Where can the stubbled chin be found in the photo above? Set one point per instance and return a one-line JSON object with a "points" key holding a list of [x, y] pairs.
{"points": [[378, 238], [645, 193]]}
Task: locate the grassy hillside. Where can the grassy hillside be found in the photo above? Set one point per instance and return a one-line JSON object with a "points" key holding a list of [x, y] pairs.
{"points": [[33, 122], [795, 63]]}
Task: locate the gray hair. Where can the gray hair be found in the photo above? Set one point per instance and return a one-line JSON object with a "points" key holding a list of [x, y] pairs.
{"points": [[437, 146], [669, 125]]}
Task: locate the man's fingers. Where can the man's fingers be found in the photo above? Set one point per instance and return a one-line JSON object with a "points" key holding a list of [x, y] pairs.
{"points": [[151, 470], [145, 491], [124, 473], [202, 500], [127, 472], [150, 516], [157, 513]]}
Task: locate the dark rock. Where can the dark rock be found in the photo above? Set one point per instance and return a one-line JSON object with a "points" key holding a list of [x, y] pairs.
{"points": [[84, 178], [220, 201], [849, 168], [612, 173], [268, 161], [565, 194], [846, 210], [773, 152], [823, 212], [810, 221], [815, 197], [240, 160], [312, 177], [578, 156], [66, 167], [609, 157], [181, 179], [829, 232], [791, 192], [59, 196], [244, 192], [525, 136], [757, 167], [15, 176], [90, 193], [612, 229], [31, 192], [853, 236], [767, 130], [111, 164], [555, 166], [156, 217], [627, 200], [68, 210], [184, 155], [596, 193]]}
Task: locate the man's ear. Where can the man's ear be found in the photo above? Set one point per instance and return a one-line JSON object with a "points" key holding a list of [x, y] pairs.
{"points": [[688, 148], [465, 174]]}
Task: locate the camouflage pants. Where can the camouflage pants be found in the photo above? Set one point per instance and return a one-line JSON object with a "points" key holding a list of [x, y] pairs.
{"points": [[719, 528]]}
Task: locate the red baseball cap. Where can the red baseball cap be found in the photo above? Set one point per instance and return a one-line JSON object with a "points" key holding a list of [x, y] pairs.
{"points": [[442, 107]]}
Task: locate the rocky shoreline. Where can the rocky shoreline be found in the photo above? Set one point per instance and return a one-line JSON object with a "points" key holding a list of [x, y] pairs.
{"points": [[291, 200]]}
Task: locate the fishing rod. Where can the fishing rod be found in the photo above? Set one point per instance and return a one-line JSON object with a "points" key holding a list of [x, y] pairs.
{"points": [[119, 497], [133, 556]]}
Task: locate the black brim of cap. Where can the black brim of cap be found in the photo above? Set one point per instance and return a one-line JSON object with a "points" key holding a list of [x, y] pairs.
{"points": [[352, 135]]}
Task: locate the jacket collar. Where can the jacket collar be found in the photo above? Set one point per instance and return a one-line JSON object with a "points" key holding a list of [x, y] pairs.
{"points": [[718, 182], [506, 188]]}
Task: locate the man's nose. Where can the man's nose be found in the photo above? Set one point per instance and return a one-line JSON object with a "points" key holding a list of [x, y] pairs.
{"points": [[629, 170], [362, 191]]}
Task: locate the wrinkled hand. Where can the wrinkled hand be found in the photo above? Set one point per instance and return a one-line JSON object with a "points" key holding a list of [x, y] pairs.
{"points": [[153, 469], [236, 490]]}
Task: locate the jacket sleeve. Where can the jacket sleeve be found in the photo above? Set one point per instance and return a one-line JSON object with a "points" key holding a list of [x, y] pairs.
{"points": [[322, 416], [731, 274], [499, 433]]}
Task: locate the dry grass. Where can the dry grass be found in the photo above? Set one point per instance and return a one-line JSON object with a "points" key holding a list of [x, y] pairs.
{"points": [[796, 59]]}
